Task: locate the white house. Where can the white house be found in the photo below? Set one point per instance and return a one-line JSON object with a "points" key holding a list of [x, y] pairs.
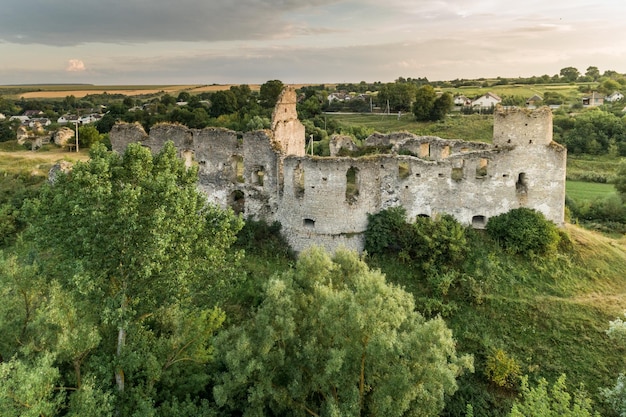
{"points": [[462, 101], [338, 97], [42, 121], [486, 100], [22, 119], [615, 96]]}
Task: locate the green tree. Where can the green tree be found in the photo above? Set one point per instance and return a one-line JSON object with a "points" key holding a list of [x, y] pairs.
{"points": [[569, 74], [88, 136], [7, 131], [333, 338], [269, 93], [593, 73], [616, 395], [609, 86], [223, 102], [620, 179], [243, 94], [399, 95], [556, 402], [424, 103], [441, 106], [140, 257]]}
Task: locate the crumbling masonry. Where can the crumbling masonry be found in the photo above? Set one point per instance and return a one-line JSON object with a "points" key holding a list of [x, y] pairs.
{"points": [[325, 200]]}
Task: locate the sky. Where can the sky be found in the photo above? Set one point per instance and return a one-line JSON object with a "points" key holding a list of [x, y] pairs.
{"points": [[130, 42]]}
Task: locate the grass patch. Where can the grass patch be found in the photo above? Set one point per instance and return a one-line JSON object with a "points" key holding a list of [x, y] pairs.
{"points": [[592, 168], [467, 127], [580, 190]]}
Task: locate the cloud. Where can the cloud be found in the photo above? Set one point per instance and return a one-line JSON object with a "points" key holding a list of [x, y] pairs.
{"points": [[75, 65], [73, 22]]}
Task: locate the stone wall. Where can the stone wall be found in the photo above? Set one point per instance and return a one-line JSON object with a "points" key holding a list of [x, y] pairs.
{"points": [[325, 201]]}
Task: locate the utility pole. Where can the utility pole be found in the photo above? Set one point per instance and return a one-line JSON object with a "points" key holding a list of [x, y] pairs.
{"points": [[76, 124]]}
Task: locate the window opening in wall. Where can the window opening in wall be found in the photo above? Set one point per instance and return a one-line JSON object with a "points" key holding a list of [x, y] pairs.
{"points": [[237, 167], [445, 152], [403, 170], [237, 201], [352, 185], [187, 157], [309, 223], [481, 168], [418, 175], [298, 181], [457, 174], [521, 186], [423, 215], [258, 174], [424, 150], [479, 222], [441, 175]]}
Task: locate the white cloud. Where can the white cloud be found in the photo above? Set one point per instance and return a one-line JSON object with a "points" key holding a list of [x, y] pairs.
{"points": [[75, 65]]}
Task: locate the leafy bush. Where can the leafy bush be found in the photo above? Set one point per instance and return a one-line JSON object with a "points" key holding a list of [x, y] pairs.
{"points": [[436, 244], [263, 238], [385, 231], [524, 231], [502, 370], [553, 402]]}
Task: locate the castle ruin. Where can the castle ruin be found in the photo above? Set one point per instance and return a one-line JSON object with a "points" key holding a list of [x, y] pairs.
{"points": [[325, 200]]}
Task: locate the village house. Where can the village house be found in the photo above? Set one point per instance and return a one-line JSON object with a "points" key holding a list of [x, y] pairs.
{"points": [[613, 97], [535, 100], [594, 100], [487, 100], [462, 101]]}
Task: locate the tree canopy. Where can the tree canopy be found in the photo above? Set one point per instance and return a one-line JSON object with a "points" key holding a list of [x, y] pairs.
{"points": [[331, 337], [131, 262]]}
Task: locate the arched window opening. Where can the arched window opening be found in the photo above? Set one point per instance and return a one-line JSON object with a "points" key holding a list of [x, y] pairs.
{"points": [[521, 186], [298, 181], [258, 174], [481, 168], [479, 222], [352, 185], [403, 170], [236, 162], [237, 201]]}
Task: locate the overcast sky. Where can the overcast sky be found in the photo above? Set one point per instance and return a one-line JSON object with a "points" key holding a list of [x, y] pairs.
{"points": [[303, 41]]}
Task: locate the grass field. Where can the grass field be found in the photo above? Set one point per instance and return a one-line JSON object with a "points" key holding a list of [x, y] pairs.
{"points": [[580, 190], [475, 127], [16, 160], [524, 90]]}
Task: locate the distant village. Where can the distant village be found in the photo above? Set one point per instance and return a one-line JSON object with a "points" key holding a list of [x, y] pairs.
{"points": [[37, 129]]}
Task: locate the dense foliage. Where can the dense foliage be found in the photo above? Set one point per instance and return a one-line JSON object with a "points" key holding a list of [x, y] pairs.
{"points": [[556, 402], [118, 311], [331, 337], [524, 231], [434, 244]]}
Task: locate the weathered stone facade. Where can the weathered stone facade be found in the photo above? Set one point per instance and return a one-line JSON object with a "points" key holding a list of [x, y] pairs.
{"points": [[326, 200]]}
